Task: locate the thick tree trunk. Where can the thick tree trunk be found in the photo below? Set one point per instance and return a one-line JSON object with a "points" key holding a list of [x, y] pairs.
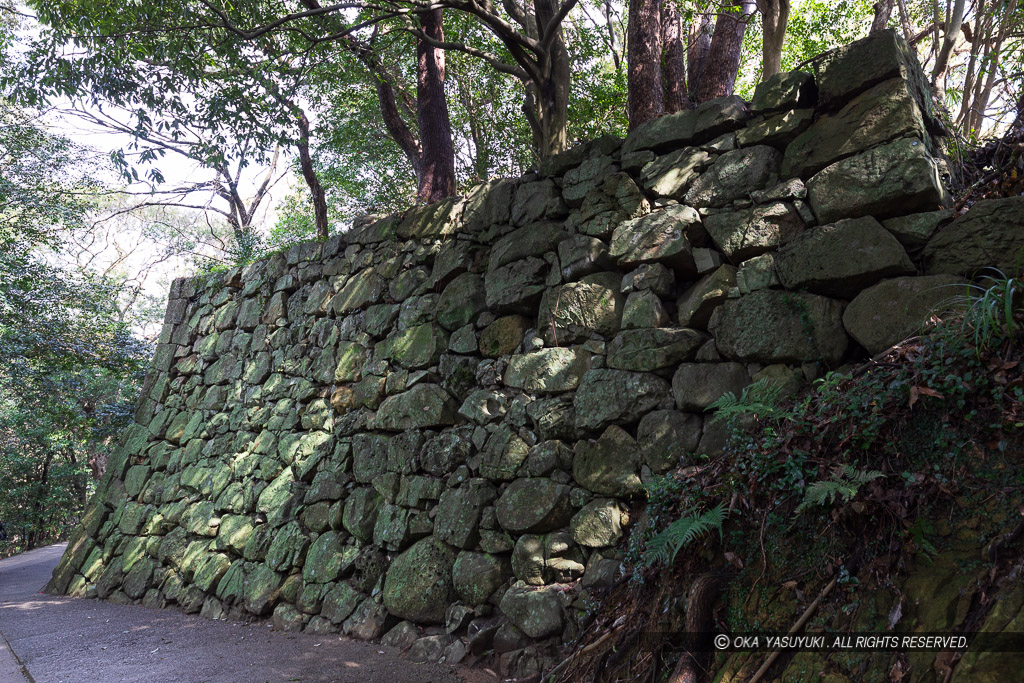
{"points": [[437, 154], [774, 17], [643, 50], [883, 10], [697, 50], [718, 76], [547, 99], [673, 70]]}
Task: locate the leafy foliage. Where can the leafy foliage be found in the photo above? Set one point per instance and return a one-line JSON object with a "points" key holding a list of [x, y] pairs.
{"points": [[992, 312], [666, 544], [843, 486], [760, 399], [70, 367]]}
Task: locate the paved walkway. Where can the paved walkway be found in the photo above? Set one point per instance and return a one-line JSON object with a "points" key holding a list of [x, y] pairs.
{"points": [[48, 639]]}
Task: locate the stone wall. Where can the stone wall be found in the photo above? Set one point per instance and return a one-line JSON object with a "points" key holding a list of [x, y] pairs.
{"points": [[437, 427]]}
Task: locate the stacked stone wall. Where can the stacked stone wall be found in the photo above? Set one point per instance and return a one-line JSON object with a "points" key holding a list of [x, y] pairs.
{"points": [[437, 427]]}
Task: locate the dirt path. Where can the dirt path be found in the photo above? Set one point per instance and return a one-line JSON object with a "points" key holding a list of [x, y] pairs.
{"points": [[55, 639]]}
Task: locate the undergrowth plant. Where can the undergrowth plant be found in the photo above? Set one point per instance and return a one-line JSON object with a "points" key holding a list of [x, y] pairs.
{"points": [[843, 486], [992, 312], [760, 399], [666, 544]]}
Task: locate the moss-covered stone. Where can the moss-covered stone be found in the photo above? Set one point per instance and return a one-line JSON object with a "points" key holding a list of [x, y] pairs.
{"points": [[419, 586]]}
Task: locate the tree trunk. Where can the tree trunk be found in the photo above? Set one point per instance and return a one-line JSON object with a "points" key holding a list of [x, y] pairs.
{"points": [[697, 50], [883, 9], [952, 31], [673, 70], [316, 190], [643, 50], [774, 17], [546, 104], [718, 77], [437, 154]]}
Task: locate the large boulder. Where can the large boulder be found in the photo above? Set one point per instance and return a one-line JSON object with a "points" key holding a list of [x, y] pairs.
{"points": [[653, 349], [461, 301], [892, 310], [578, 310], [425, 405], [533, 505], [477, 575], [772, 326], [415, 347], [532, 240], [488, 204], [990, 234], [889, 180], [667, 436], [581, 255], [746, 233], [853, 68], [598, 524], [670, 175], [537, 612], [709, 120], [841, 259], [786, 90], [515, 286], [883, 113], [418, 585], [666, 236], [698, 385], [585, 178], [778, 130], [538, 201], [618, 199], [734, 175], [457, 520], [548, 370], [609, 466], [608, 396]]}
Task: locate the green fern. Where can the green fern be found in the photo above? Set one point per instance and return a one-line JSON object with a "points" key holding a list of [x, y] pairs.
{"points": [[760, 398], [666, 544], [843, 486]]}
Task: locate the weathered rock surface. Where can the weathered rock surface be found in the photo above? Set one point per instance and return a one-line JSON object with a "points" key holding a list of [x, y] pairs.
{"points": [[419, 586], [892, 310], [746, 233], [889, 180], [771, 326], [883, 113], [609, 466], [841, 259], [991, 234], [577, 310], [652, 349], [616, 396], [548, 370], [734, 175], [698, 385]]}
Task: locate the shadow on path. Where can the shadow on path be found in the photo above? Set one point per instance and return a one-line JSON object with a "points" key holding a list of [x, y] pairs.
{"points": [[80, 641]]}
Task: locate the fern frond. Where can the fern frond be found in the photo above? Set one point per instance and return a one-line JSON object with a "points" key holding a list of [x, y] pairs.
{"points": [[843, 486], [760, 398], [666, 544]]}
